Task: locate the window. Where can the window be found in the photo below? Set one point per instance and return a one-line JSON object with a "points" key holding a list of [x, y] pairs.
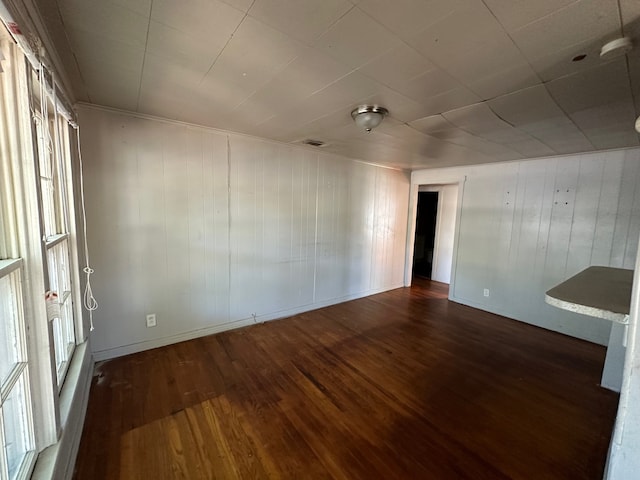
{"points": [[54, 157], [38, 252], [17, 432]]}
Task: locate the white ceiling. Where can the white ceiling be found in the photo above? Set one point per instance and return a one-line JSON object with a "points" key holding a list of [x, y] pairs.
{"points": [[465, 81]]}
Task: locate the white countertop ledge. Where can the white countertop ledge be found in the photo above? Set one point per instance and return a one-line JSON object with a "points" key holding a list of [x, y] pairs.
{"points": [[603, 292]]}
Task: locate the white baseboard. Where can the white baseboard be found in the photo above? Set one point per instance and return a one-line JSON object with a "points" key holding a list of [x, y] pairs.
{"points": [[110, 353]]}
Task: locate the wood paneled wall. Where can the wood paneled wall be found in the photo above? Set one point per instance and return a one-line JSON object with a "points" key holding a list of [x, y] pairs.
{"points": [[526, 226], [211, 230]]}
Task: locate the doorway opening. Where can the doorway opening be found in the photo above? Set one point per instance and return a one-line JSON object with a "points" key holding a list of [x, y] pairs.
{"points": [[426, 218], [432, 245]]}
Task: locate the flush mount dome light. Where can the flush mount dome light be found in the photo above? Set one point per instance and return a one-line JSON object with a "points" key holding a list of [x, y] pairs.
{"points": [[369, 117]]}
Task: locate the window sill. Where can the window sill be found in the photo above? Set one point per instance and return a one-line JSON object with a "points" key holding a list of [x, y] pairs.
{"points": [[8, 266], [53, 240]]}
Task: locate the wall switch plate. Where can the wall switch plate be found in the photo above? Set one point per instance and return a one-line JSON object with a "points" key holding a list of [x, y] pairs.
{"points": [[486, 292], [151, 320]]}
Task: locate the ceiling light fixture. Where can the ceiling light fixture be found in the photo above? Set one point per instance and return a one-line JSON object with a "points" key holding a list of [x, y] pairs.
{"points": [[638, 124], [369, 117]]}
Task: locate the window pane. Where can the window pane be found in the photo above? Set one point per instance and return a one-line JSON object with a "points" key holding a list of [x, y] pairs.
{"points": [[17, 427], [47, 174], [48, 211], [63, 327], [9, 318], [67, 316], [59, 346]]}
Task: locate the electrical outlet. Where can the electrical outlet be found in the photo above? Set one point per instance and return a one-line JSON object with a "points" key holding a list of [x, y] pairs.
{"points": [[151, 320], [486, 292]]}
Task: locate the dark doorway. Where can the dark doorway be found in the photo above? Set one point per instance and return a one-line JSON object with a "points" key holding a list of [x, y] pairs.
{"points": [[425, 234]]}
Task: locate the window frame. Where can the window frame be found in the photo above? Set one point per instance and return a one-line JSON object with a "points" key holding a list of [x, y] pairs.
{"points": [[19, 377], [51, 140], [49, 399]]}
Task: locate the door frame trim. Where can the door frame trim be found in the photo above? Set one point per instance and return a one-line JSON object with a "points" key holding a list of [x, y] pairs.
{"points": [[425, 179]]}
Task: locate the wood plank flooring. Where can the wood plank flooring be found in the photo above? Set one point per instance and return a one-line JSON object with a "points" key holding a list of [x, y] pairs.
{"points": [[401, 385]]}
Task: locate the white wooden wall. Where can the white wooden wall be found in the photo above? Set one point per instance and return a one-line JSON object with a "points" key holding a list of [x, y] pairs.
{"points": [[526, 226], [211, 230]]}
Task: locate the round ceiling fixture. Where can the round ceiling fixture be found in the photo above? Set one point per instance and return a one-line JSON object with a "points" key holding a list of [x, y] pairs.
{"points": [[615, 48], [638, 124], [369, 117]]}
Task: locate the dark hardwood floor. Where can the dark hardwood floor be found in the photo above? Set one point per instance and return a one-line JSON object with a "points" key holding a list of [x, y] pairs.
{"points": [[401, 385]]}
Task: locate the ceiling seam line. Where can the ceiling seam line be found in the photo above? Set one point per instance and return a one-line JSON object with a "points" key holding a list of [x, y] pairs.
{"points": [[508, 34], [144, 57], [566, 114], [620, 18], [215, 60], [547, 15], [519, 129], [73, 53]]}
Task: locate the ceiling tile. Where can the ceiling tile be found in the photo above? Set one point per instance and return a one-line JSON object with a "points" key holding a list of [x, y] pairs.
{"points": [[162, 101], [301, 19], [118, 89], [427, 85], [317, 128], [75, 89], [466, 139], [396, 66], [243, 5], [159, 73], [634, 68], [468, 27], [607, 83], [585, 20], [535, 112], [108, 20], [345, 94], [254, 55], [608, 126], [287, 69], [531, 148], [356, 39], [486, 60], [181, 50], [140, 7], [481, 121], [198, 18], [564, 139], [514, 14], [400, 107], [503, 82], [407, 17], [309, 73], [403, 132], [113, 55], [449, 100], [630, 12], [433, 123], [560, 62], [526, 107]]}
